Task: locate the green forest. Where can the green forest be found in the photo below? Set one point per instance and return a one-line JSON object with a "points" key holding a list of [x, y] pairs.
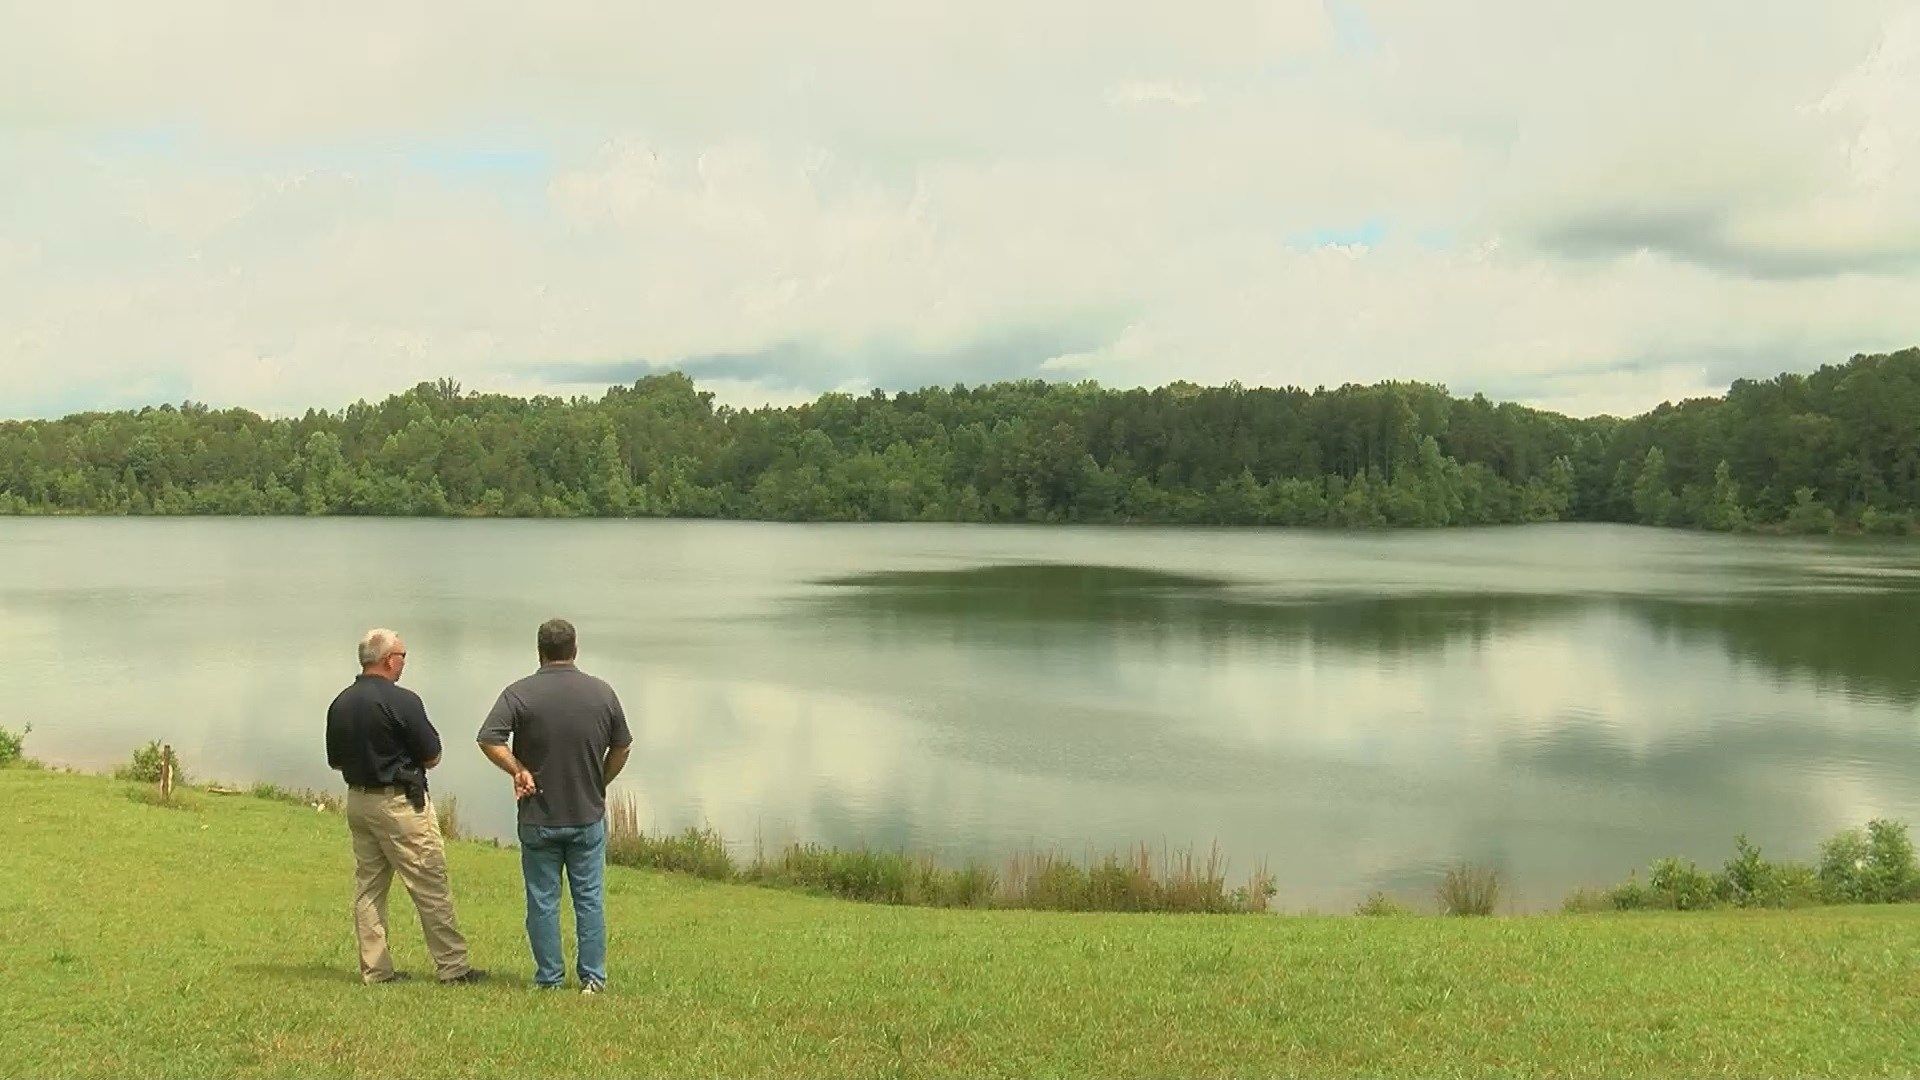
{"points": [[1834, 450]]}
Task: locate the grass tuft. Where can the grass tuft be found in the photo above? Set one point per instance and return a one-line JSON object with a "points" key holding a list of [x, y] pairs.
{"points": [[1469, 889]]}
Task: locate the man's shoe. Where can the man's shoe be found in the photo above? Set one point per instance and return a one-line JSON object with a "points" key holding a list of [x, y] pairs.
{"points": [[590, 988], [471, 975], [398, 976]]}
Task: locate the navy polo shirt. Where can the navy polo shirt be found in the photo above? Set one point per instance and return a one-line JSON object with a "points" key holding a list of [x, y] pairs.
{"points": [[377, 730]]}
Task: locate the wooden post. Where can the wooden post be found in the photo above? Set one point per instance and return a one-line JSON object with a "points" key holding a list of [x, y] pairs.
{"points": [[166, 771]]}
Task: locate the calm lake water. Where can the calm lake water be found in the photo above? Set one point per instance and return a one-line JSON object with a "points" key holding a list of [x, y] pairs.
{"points": [[1357, 710]]}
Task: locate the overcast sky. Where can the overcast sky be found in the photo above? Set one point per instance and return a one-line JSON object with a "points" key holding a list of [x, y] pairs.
{"points": [[1591, 207]]}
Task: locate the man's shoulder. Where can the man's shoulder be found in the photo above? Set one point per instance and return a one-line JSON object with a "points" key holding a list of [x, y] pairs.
{"points": [[353, 693], [519, 687], [393, 692], [595, 680], [597, 686]]}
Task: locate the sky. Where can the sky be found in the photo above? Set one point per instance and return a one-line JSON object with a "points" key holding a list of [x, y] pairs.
{"points": [[1591, 208]]}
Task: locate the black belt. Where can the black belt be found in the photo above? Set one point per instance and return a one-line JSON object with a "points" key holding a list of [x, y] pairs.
{"points": [[378, 789]]}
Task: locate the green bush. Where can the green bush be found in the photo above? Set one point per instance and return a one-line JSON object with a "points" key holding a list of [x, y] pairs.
{"points": [[1746, 877], [1885, 522], [145, 766], [1871, 866], [1748, 880], [1630, 895], [1808, 515], [1874, 865], [11, 744], [1679, 885]]}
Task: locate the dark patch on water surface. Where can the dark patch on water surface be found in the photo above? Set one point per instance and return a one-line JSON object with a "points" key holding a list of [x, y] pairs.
{"points": [[1026, 577], [1862, 637], [996, 599]]}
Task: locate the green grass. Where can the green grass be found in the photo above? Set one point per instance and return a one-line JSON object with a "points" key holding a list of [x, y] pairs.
{"points": [[213, 939]]}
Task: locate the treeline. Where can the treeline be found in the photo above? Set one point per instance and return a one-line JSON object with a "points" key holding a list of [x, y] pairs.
{"points": [[1837, 449]]}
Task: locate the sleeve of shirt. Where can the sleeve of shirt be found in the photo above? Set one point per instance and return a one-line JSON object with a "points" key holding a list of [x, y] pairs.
{"points": [[498, 726], [423, 742], [617, 735], [336, 751]]}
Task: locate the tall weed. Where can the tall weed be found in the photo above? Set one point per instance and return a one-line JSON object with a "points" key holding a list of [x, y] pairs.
{"points": [[1469, 889]]}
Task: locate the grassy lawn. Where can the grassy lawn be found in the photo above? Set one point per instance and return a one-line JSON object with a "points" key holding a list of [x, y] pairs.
{"points": [[216, 940]]}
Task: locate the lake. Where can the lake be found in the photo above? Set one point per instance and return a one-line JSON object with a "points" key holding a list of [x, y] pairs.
{"points": [[1356, 710]]}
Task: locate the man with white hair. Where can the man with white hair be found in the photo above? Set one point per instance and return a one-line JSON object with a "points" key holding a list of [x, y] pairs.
{"points": [[379, 737]]}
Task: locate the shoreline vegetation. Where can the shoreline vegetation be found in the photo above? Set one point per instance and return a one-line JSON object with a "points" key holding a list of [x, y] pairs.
{"points": [[1874, 864], [212, 939], [1833, 451]]}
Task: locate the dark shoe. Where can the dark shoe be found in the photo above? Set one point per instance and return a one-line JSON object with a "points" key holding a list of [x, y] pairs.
{"points": [[590, 988], [398, 976], [471, 975], [548, 986]]}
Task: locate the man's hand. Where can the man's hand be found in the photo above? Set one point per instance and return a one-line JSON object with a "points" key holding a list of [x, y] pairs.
{"points": [[523, 782]]}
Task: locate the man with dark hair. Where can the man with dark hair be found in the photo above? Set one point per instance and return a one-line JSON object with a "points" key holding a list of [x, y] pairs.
{"points": [[569, 740], [380, 739]]}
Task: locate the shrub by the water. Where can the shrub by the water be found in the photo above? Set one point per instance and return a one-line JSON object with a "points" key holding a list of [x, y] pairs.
{"points": [[1874, 865], [1748, 880], [1679, 885], [1469, 889], [1871, 866], [11, 744], [146, 765]]}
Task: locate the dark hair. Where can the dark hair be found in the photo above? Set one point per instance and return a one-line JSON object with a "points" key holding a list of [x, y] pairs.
{"points": [[556, 641]]}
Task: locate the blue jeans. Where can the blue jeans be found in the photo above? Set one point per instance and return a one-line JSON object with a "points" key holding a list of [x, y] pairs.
{"points": [[582, 851]]}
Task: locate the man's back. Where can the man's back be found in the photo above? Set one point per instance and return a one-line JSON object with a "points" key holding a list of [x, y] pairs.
{"points": [[378, 732], [561, 721]]}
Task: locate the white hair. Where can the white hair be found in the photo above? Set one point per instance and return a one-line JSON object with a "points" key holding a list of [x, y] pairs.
{"points": [[375, 644]]}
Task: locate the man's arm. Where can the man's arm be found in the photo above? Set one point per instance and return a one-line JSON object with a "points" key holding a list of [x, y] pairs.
{"points": [[422, 741], [336, 746], [615, 761], [619, 740], [502, 757], [494, 732]]}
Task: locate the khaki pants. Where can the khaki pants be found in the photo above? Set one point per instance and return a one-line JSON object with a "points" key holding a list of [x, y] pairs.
{"points": [[390, 836]]}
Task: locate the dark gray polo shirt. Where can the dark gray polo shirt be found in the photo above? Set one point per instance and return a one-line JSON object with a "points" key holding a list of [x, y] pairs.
{"points": [[561, 721]]}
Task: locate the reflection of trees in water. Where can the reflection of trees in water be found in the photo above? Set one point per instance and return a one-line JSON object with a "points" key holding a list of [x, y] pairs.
{"points": [[1865, 642], [1001, 599], [1861, 642]]}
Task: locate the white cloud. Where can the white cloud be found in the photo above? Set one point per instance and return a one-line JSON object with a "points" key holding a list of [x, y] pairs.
{"points": [[1589, 208]]}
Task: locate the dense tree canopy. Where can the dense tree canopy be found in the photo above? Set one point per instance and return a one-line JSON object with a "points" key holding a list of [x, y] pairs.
{"points": [[1839, 448]]}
